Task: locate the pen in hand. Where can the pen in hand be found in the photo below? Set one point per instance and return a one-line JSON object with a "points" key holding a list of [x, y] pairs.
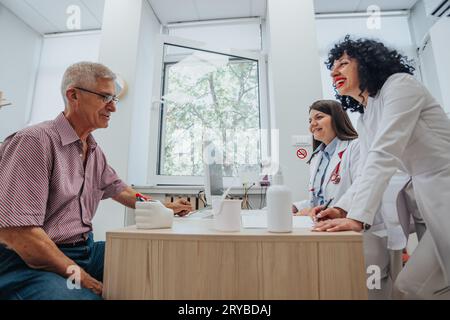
{"points": [[324, 208], [141, 198]]}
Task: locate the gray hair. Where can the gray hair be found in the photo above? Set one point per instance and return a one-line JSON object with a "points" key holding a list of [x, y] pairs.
{"points": [[84, 74]]}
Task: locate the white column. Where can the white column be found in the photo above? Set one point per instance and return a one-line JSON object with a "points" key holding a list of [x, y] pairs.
{"points": [[294, 81], [119, 51], [128, 27]]}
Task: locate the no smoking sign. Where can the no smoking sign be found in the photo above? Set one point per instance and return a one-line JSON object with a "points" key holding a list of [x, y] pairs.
{"points": [[302, 153]]}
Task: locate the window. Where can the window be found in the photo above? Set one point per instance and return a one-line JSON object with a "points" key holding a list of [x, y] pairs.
{"points": [[207, 98]]}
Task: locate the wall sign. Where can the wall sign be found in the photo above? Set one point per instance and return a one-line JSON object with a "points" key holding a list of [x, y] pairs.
{"points": [[302, 153]]}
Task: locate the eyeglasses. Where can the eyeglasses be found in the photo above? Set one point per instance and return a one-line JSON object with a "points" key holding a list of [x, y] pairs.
{"points": [[107, 98]]}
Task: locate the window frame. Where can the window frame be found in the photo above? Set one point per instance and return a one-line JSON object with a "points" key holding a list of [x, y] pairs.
{"points": [[156, 114]]}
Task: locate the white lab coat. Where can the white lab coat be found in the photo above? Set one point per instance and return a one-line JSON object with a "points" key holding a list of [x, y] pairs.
{"points": [[404, 128], [386, 222], [375, 243], [348, 167]]}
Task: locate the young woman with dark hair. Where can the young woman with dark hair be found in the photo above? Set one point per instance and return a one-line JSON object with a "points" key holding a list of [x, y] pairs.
{"points": [[333, 163], [340, 122], [334, 166], [402, 127]]}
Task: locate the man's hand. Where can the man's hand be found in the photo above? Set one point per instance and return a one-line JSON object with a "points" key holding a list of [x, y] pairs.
{"points": [[329, 213], [39, 252], [91, 283], [180, 207], [334, 225]]}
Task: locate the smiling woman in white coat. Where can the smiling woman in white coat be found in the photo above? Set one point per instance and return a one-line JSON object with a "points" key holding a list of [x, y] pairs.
{"points": [[334, 167], [334, 161], [401, 127]]}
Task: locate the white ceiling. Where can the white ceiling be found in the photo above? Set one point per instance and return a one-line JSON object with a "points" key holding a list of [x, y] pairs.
{"points": [[49, 16], [333, 6], [194, 10]]}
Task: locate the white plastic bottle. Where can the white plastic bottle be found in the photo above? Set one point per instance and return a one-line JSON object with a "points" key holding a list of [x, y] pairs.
{"points": [[279, 206]]}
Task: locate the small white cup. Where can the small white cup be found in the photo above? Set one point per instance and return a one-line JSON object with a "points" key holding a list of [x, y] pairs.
{"points": [[227, 215], [216, 202]]}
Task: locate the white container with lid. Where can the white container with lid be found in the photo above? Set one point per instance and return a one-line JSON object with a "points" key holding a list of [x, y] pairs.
{"points": [[279, 204]]}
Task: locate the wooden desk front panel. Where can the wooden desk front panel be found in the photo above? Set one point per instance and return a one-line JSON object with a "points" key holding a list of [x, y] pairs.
{"points": [[208, 269], [341, 271]]}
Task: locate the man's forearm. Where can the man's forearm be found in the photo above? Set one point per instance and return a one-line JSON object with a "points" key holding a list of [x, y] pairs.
{"points": [[36, 249], [127, 197]]}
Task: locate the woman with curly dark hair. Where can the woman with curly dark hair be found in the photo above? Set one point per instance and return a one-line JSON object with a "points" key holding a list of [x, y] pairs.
{"points": [[402, 127]]}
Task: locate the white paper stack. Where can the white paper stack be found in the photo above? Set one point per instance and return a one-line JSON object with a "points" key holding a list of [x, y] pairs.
{"points": [[152, 215], [259, 221]]}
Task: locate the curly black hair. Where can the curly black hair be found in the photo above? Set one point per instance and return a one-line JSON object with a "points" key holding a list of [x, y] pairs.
{"points": [[376, 63]]}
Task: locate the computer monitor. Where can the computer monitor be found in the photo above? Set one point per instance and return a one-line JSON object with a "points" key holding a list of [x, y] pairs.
{"points": [[213, 171], [213, 181]]}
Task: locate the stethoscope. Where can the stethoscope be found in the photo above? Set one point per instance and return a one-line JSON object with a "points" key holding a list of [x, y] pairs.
{"points": [[335, 176]]}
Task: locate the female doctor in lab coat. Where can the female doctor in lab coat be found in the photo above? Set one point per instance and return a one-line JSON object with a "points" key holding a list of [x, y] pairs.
{"points": [[401, 127], [334, 162], [334, 167]]}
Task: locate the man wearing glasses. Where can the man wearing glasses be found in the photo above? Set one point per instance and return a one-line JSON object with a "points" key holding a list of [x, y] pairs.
{"points": [[53, 176]]}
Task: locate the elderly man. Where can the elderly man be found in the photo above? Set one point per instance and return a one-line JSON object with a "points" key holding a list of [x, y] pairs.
{"points": [[53, 176]]}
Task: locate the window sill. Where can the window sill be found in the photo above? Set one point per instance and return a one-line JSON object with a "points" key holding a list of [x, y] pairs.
{"points": [[186, 189]]}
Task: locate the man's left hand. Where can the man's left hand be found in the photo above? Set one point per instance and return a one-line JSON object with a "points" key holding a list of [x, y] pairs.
{"points": [[180, 207], [334, 225]]}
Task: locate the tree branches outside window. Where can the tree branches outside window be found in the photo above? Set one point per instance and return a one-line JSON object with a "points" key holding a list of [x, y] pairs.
{"points": [[221, 105]]}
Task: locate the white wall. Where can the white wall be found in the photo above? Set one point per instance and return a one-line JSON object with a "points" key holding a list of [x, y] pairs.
{"points": [[431, 36], [420, 23], [429, 70], [20, 48], [58, 53], [126, 45], [294, 81], [440, 40]]}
